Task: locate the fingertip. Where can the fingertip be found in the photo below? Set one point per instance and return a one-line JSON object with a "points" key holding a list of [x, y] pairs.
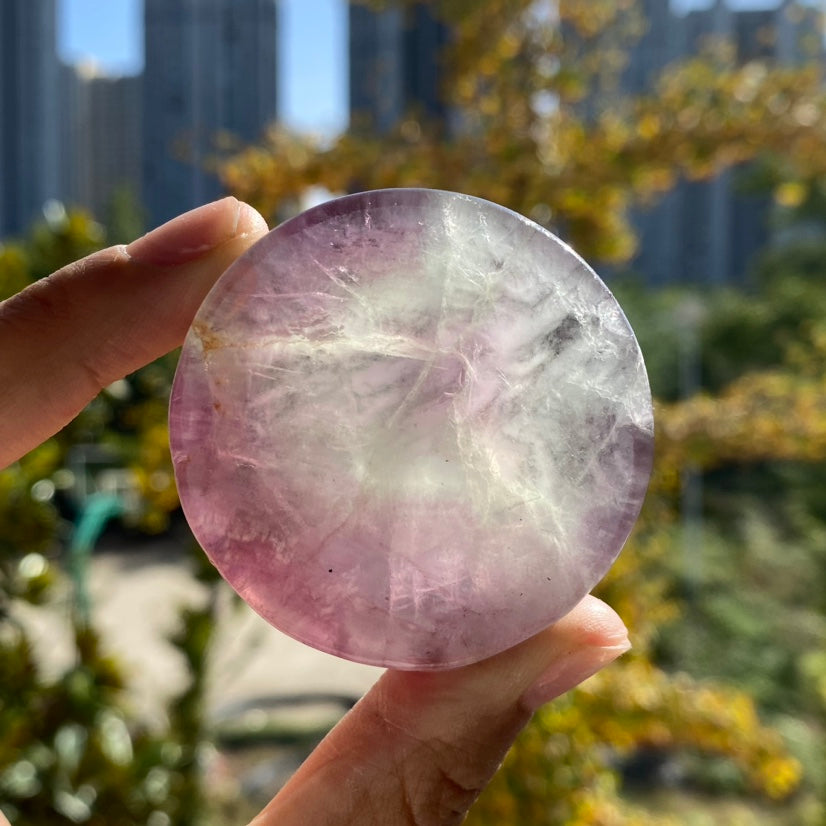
{"points": [[596, 623], [196, 233], [250, 221]]}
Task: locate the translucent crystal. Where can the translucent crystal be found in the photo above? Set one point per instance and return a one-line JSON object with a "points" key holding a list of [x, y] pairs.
{"points": [[411, 428]]}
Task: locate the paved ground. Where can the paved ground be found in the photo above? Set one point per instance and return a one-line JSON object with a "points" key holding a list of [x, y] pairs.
{"points": [[136, 595]]}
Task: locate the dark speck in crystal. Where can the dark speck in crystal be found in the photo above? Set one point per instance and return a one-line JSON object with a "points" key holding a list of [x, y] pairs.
{"points": [[563, 334]]}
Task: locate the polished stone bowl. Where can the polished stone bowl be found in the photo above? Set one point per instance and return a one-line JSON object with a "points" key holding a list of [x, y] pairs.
{"points": [[411, 428]]}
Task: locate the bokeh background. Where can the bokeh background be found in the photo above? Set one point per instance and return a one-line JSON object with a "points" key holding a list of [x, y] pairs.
{"points": [[681, 148]]}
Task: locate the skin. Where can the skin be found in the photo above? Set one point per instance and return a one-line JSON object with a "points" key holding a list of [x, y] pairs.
{"points": [[419, 747]]}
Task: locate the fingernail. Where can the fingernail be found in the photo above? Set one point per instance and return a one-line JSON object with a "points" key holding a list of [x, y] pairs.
{"points": [[569, 672], [195, 233]]}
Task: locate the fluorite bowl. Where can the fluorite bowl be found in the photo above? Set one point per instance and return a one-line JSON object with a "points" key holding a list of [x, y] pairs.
{"points": [[411, 428]]}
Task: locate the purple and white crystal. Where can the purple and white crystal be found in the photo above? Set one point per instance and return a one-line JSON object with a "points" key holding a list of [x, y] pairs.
{"points": [[411, 428]]}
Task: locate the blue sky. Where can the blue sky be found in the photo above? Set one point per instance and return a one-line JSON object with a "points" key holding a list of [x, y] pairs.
{"points": [[312, 78]]}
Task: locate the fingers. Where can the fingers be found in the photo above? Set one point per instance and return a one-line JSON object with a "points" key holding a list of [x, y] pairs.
{"points": [[66, 337], [420, 746]]}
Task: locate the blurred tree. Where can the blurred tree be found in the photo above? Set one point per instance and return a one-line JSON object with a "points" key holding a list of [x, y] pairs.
{"points": [[69, 750], [62, 236], [124, 217], [14, 269], [543, 129]]}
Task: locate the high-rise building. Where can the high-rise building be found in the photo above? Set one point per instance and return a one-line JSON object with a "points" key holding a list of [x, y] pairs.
{"points": [[395, 65], [710, 231], [30, 149], [210, 69], [102, 132]]}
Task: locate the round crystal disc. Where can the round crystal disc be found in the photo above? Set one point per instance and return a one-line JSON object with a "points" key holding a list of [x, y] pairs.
{"points": [[411, 428]]}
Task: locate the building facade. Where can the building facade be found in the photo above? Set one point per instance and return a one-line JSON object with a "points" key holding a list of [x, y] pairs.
{"points": [[102, 131], [710, 232], [210, 70], [31, 154], [395, 65]]}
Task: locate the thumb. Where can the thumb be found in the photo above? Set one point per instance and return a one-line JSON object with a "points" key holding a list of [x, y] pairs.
{"points": [[67, 336], [421, 746]]}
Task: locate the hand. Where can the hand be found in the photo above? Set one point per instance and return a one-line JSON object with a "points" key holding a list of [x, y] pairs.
{"points": [[420, 746]]}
